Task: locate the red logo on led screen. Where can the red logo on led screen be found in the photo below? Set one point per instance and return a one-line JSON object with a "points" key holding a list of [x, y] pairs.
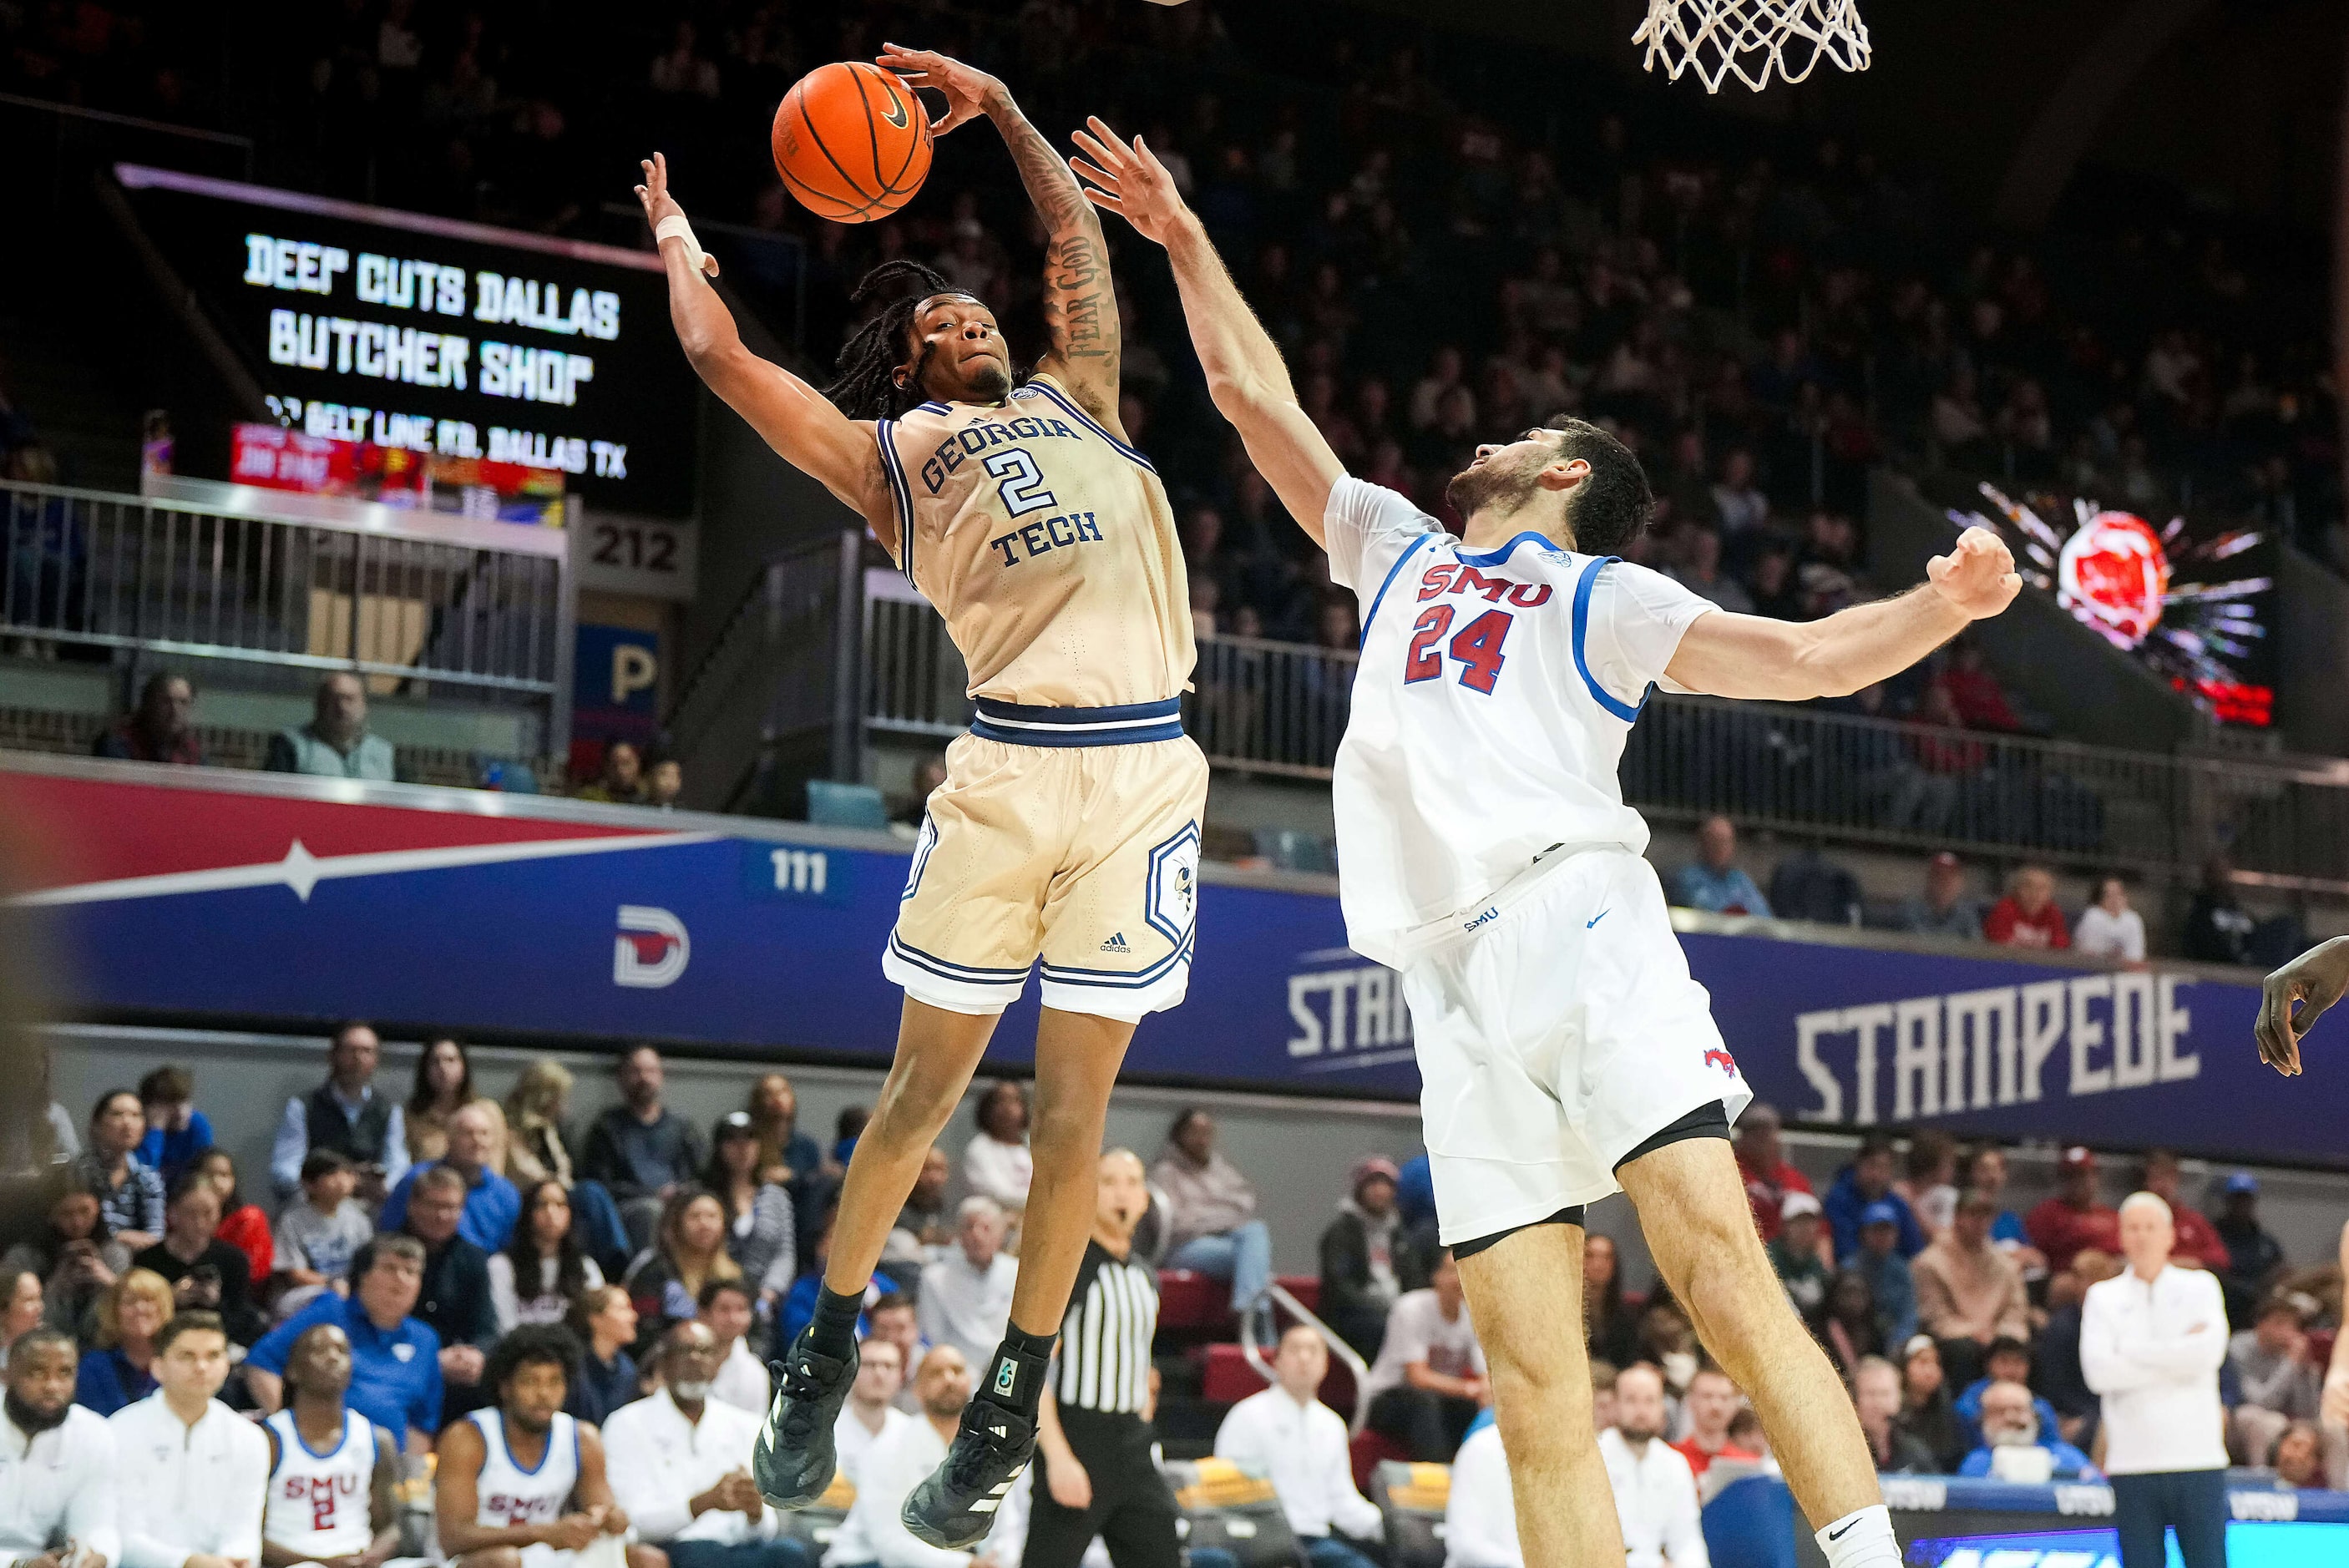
{"points": [[2114, 574]]}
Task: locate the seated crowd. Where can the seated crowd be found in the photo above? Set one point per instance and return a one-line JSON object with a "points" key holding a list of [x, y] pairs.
{"points": [[443, 1275]]}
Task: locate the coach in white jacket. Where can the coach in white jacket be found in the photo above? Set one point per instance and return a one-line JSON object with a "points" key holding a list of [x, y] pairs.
{"points": [[1288, 1436], [2152, 1343], [194, 1473], [1655, 1489]]}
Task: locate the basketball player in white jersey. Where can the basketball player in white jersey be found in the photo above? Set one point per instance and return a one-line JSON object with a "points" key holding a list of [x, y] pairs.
{"points": [[521, 1484], [1068, 827], [332, 1471], [1564, 1050]]}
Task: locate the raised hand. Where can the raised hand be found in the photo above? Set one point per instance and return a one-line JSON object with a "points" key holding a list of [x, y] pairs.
{"points": [[968, 91], [1128, 180], [2310, 984], [659, 204], [1977, 575]]}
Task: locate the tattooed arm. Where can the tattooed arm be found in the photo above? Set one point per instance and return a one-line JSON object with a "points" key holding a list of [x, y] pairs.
{"points": [[1080, 301]]}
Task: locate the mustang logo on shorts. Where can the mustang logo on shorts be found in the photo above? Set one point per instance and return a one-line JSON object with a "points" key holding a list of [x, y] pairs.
{"points": [[1721, 1059]]}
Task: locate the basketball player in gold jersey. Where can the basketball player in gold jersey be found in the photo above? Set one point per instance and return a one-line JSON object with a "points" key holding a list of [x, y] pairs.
{"points": [[1068, 829]]}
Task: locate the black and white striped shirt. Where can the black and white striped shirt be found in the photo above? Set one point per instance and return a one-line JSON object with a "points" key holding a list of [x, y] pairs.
{"points": [[1105, 1338]]}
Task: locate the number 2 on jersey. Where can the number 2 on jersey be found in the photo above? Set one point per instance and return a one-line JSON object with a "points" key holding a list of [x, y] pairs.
{"points": [[1476, 647], [1021, 483]]}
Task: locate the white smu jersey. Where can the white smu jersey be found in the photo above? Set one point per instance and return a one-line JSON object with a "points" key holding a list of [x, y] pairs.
{"points": [[509, 1495], [319, 1504], [1495, 691]]}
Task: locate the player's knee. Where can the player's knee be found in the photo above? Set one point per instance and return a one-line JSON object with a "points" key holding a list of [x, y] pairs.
{"points": [[1541, 1412], [915, 1101]]}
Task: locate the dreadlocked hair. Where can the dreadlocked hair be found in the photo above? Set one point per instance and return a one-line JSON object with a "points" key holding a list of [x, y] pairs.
{"points": [[866, 386]]}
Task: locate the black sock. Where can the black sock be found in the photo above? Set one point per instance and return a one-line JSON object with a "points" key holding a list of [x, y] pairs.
{"points": [[833, 1331], [1015, 1378]]}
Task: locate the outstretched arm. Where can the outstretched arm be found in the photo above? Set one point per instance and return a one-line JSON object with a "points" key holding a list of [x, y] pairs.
{"points": [[792, 416], [1789, 661], [1245, 373], [1079, 302]]}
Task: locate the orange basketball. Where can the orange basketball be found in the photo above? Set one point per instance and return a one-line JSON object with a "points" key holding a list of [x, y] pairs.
{"points": [[852, 142]]}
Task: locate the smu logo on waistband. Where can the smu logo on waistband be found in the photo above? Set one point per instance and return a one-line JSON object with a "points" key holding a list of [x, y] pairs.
{"points": [[970, 441], [1975, 1049]]}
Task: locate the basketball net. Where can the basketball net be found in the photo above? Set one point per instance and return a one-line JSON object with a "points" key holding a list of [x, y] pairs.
{"points": [[1749, 39]]}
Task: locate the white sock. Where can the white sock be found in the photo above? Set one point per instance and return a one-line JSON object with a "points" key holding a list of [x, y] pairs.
{"points": [[1861, 1540]]}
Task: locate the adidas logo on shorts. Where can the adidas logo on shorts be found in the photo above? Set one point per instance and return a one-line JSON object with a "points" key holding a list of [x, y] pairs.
{"points": [[1116, 944]]}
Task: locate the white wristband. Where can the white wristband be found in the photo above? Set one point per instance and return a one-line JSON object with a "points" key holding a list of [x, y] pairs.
{"points": [[677, 228]]}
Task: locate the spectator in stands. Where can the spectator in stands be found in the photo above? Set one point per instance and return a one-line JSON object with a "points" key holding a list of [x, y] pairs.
{"points": [[205, 1273], [1711, 1403], [2010, 1424], [2254, 1257], [2218, 928], [891, 1318], [664, 782], [176, 1131], [2003, 1361], [120, 1366], [23, 1307], [1875, 1395], [316, 1238], [870, 1415], [1702, 574], [1761, 1160], [541, 1271], [761, 1228], [622, 780], [2199, 1242], [1981, 702], [689, 1252], [1927, 1412], [202, 1472], [1667, 1338], [1480, 1515], [67, 1520], [1360, 1250], [1854, 1330], [2152, 1342], [1806, 886], [2109, 928], [1985, 1170], [928, 774], [162, 728], [394, 1359], [1602, 1394], [966, 1296], [490, 1204], [786, 1155], [2073, 1219], [2061, 1380], [455, 1302], [1928, 1181], [2276, 1381], [1714, 880], [726, 1311], [679, 1466], [1211, 1215], [1655, 1488], [1429, 1380], [1286, 1434], [1889, 1280], [925, 1226], [130, 1192], [996, 1162], [603, 1321], [334, 744], [37, 1133], [1609, 1329], [1946, 909], [2028, 916], [243, 1225], [78, 1259], [2297, 1457], [346, 1114], [904, 1456], [1969, 1294], [538, 1143], [444, 1084], [1867, 1179], [1794, 1254], [639, 1150]]}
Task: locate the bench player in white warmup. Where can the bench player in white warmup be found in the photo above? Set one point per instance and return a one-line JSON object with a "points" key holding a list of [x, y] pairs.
{"points": [[332, 1471], [1488, 856]]}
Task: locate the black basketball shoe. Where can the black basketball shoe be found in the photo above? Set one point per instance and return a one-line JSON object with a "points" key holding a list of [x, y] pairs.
{"points": [[793, 1458], [957, 1506]]}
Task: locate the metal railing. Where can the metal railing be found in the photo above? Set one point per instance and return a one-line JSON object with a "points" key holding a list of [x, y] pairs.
{"points": [[409, 597], [1278, 709]]}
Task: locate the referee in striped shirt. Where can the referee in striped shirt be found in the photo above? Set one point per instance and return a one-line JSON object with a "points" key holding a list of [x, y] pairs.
{"points": [[1093, 1433]]}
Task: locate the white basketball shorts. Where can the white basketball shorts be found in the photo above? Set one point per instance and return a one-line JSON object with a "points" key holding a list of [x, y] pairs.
{"points": [[1557, 1030]]}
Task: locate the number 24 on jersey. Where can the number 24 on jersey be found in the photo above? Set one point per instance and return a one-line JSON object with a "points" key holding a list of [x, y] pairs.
{"points": [[1475, 647]]}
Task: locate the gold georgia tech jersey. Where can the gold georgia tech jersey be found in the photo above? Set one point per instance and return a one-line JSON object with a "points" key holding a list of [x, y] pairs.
{"points": [[1049, 546]]}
